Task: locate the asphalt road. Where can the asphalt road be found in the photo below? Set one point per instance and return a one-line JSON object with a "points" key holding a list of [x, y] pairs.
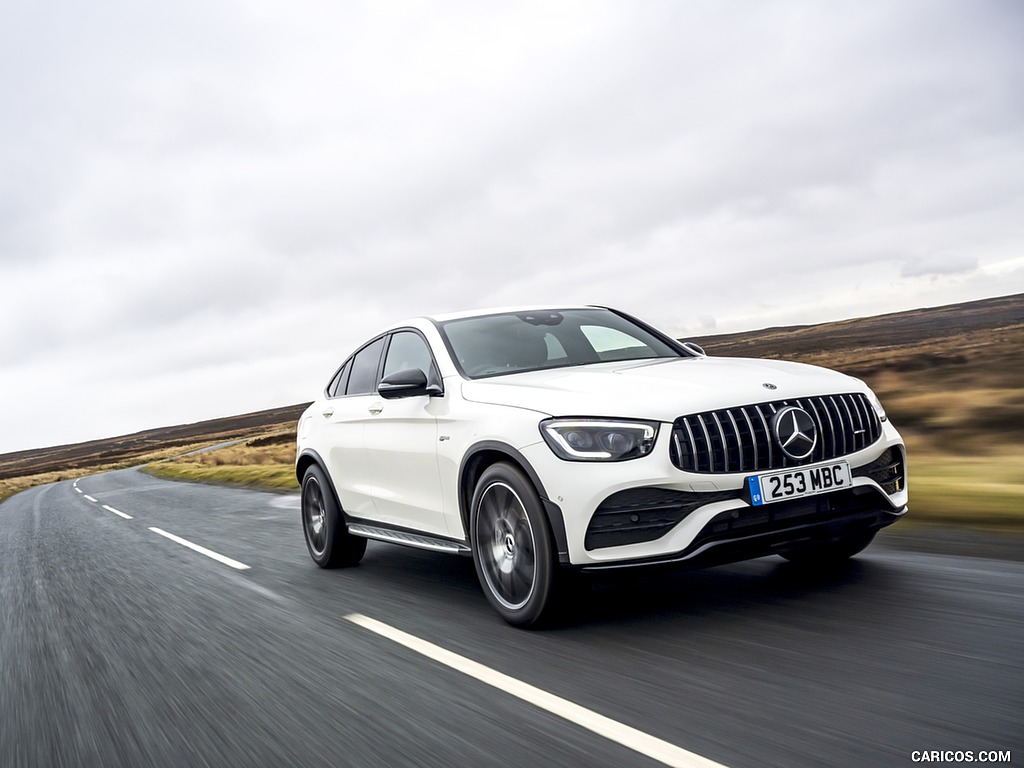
{"points": [[121, 647]]}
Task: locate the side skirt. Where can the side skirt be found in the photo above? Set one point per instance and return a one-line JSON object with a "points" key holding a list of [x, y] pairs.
{"points": [[408, 539]]}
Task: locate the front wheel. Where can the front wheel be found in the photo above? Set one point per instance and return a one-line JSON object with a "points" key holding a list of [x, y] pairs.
{"points": [[512, 548], [328, 541]]}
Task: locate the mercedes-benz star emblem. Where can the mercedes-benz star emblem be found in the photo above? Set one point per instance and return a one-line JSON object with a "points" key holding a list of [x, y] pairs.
{"points": [[795, 432]]}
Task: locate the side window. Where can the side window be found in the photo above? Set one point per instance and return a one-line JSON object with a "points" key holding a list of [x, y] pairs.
{"points": [[337, 385], [407, 350], [364, 369]]}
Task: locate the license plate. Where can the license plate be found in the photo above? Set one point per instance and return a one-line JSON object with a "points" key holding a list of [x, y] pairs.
{"points": [[794, 483]]}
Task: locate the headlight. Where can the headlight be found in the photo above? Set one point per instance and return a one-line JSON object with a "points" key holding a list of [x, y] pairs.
{"points": [[597, 440], [877, 404]]}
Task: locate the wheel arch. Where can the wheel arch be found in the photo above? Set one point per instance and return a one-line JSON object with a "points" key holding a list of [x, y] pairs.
{"points": [[306, 459], [484, 454], [309, 458]]}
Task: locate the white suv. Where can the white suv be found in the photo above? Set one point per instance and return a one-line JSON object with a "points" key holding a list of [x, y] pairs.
{"points": [[539, 439]]}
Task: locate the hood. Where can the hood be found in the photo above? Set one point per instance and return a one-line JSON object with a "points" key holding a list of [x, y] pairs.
{"points": [[658, 390]]}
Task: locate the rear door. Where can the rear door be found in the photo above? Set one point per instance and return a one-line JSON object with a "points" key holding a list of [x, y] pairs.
{"points": [[346, 416]]}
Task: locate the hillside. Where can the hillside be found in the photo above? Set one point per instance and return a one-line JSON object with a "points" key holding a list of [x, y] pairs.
{"points": [[952, 371], [951, 378], [127, 447]]}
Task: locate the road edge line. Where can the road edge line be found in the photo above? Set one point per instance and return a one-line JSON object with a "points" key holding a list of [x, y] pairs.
{"points": [[657, 749]]}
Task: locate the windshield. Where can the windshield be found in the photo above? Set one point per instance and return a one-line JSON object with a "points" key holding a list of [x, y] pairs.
{"points": [[514, 342]]}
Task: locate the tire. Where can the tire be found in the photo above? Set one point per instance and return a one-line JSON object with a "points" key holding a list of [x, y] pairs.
{"points": [[832, 552], [328, 541], [512, 545]]}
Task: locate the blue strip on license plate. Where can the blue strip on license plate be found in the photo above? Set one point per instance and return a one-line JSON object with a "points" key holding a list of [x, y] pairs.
{"points": [[754, 485]]}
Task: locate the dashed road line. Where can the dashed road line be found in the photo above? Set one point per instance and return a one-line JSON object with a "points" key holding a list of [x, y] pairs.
{"points": [[657, 749], [79, 489], [117, 512], [177, 539], [202, 550]]}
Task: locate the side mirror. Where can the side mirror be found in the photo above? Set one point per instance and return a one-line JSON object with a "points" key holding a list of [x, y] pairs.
{"points": [[410, 382]]}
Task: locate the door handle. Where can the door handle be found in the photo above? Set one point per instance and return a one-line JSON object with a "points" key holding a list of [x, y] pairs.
{"points": [[376, 408], [328, 413]]}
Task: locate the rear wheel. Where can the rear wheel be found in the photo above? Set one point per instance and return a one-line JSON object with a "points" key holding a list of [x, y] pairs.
{"points": [[328, 541], [831, 552], [512, 548]]}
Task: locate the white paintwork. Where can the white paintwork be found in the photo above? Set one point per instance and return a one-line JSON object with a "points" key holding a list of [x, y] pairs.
{"points": [[660, 390], [387, 468]]}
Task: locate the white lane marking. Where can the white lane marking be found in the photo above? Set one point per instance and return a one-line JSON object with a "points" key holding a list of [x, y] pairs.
{"points": [[79, 489], [651, 746], [90, 498], [116, 512], [203, 550]]}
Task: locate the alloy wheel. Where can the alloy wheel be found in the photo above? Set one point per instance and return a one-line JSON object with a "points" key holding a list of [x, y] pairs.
{"points": [[507, 546]]}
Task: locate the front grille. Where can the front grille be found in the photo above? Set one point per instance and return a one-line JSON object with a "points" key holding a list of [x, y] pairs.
{"points": [[740, 440]]}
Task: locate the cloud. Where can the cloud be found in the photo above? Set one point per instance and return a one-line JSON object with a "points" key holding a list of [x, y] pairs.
{"points": [[207, 205], [938, 264]]}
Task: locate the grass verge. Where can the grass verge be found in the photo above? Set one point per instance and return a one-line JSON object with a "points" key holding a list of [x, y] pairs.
{"points": [[975, 491], [267, 461], [275, 477]]}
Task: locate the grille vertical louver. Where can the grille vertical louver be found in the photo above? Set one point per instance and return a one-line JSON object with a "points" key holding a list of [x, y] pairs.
{"points": [[740, 440]]}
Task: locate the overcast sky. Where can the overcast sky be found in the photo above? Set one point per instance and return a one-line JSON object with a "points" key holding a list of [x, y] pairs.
{"points": [[205, 204]]}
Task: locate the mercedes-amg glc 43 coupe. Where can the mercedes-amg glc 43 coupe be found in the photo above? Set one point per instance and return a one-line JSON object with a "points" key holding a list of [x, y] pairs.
{"points": [[541, 440]]}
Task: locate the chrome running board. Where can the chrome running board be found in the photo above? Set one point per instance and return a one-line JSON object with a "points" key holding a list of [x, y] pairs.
{"points": [[408, 539]]}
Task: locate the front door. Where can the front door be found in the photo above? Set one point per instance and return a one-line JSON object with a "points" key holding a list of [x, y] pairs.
{"points": [[400, 440]]}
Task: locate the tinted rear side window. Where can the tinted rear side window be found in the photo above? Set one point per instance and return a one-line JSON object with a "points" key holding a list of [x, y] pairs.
{"points": [[337, 385], [364, 369]]}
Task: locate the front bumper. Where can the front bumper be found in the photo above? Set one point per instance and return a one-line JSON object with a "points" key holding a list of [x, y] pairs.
{"points": [[647, 511], [762, 531]]}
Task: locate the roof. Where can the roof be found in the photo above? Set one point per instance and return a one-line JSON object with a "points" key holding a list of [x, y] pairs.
{"points": [[505, 310]]}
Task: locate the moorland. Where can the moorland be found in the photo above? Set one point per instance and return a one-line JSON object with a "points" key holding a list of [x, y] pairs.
{"points": [[951, 378]]}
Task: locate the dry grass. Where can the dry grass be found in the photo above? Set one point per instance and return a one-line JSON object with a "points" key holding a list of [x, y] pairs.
{"points": [[267, 461], [977, 489], [280, 477]]}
